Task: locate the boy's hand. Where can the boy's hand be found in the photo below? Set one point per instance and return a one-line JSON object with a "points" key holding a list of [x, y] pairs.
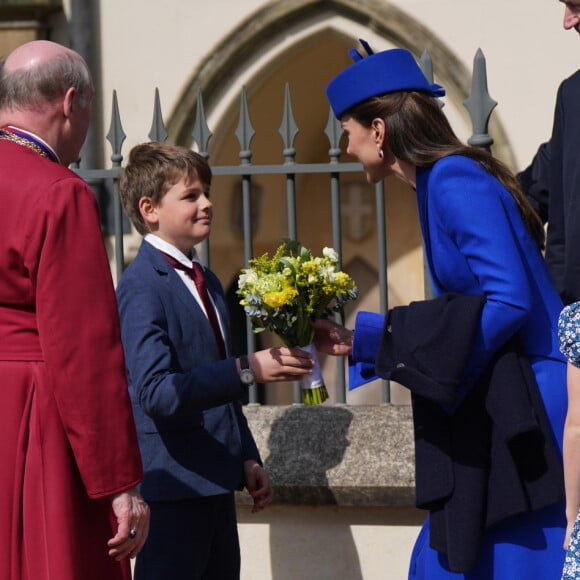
{"points": [[280, 364], [258, 485]]}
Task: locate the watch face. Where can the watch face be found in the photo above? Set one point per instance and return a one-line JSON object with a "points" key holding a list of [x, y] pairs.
{"points": [[247, 376]]}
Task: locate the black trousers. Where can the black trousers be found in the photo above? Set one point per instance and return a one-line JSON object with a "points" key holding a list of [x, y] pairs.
{"points": [[193, 539]]}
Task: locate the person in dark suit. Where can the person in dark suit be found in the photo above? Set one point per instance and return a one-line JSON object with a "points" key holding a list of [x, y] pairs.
{"points": [[185, 387], [552, 180]]}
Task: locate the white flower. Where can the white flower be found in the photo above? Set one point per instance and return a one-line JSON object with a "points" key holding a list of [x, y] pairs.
{"points": [[248, 277], [330, 253], [327, 273]]}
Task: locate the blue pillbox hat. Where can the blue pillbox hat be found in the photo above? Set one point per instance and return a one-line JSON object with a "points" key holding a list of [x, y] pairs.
{"points": [[377, 74]]}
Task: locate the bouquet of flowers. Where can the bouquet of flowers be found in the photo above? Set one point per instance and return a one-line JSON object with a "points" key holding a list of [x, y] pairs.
{"points": [[285, 292]]}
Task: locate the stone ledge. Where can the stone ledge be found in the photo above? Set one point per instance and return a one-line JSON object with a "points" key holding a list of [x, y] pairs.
{"points": [[339, 455]]}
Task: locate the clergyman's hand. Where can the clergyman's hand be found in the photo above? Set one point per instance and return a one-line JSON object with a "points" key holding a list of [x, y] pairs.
{"points": [[132, 515]]}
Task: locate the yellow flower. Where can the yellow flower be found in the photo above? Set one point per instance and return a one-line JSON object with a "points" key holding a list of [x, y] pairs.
{"points": [[278, 299], [344, 281]]}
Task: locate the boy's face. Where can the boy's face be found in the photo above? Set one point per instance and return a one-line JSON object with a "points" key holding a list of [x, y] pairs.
{"points": [[183, 216]]}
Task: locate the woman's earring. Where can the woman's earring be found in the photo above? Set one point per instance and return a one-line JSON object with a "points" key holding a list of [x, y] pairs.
{"points": [[380, 153]]}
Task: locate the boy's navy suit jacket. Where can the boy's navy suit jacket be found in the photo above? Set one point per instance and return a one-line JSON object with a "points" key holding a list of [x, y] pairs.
{"points": [[192, 431]]}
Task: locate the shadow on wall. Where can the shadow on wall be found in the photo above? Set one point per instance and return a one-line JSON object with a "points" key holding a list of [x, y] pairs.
{"points": [[304, 444]]}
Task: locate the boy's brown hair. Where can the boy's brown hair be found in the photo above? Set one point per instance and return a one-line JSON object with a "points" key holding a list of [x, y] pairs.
{"points": [[152, 170]]}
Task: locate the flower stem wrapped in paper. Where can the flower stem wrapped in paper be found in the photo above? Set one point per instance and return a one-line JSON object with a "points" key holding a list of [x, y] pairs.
{"points": [[285, 292]]}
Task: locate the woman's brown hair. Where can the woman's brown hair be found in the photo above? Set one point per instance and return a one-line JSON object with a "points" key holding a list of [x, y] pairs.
{"points": [[420, 134]]}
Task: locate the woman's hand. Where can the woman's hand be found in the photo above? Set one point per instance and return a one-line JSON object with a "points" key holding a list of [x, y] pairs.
{"points": [[332, 338]]}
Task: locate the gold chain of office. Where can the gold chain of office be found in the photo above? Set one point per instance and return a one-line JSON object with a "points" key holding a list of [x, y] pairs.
{"points": [[9, 136]]}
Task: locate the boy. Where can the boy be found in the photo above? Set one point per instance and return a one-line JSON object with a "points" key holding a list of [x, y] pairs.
{"points": [[195, 442]]}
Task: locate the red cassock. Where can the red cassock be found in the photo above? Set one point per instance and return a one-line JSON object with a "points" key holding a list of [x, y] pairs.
{"points": [[68, 438]]}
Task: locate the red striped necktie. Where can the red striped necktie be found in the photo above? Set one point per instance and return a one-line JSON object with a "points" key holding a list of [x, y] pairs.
{"points": [[196, 274]]}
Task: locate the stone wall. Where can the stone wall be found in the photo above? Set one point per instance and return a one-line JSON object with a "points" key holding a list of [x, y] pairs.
{"points": [[336, 455]]}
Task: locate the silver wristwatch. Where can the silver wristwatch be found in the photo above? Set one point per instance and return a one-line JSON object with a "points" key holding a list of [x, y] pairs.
{"points": [[247, 376]]}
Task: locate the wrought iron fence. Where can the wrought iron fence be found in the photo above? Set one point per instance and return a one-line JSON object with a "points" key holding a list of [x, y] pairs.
{"points": [[479, 106]]}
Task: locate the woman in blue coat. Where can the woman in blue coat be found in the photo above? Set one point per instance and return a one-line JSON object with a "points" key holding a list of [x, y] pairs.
{"points": [[481, 237]]}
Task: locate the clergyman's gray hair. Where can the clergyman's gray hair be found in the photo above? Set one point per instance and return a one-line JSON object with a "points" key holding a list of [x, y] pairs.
{"points": [[28, 88]]}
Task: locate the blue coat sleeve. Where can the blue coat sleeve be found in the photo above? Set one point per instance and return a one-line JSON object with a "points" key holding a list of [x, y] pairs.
{"points": [[478, 242], [367, 337]]}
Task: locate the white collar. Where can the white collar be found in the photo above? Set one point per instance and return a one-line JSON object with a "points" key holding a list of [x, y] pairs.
{"points": [[170, 249]]}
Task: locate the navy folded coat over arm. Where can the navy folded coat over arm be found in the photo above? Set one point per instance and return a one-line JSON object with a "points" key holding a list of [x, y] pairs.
{"points": [[492, 454]]}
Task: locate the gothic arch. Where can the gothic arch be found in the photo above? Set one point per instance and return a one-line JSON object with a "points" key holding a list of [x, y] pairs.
{"points": [[266, 29]]}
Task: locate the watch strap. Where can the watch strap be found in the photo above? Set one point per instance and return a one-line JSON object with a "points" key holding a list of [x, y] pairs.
{"points": [[244, 362]]}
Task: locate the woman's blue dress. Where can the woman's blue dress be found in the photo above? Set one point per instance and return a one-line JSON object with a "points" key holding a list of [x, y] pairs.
{"points": [[476, 243]]}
